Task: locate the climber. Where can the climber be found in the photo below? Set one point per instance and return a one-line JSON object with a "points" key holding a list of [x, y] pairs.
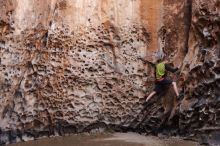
{"points": [[161, 82]]}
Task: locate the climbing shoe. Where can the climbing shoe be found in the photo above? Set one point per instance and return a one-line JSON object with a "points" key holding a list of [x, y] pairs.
{"points": [[181, 95]]}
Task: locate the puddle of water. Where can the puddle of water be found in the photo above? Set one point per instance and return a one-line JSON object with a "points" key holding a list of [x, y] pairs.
{"points": [[117, 139]]}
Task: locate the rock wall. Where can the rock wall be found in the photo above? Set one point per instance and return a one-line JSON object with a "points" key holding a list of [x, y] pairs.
{"points": [[67, 65], [72, 66], [201, 70], [196, 50]]}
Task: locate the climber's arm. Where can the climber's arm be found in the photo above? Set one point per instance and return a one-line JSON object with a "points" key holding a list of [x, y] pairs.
{"points": [[170, 68], [146, 61]]}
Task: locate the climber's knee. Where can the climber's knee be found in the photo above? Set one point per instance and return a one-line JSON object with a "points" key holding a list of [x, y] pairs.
{"points": [[174, 83]]}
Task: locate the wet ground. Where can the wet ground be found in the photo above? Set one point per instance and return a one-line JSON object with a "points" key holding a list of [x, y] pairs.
{"points": [[117, 139]]}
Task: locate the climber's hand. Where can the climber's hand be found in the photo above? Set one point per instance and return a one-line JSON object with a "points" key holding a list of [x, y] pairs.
{"points": [[178, 71], [140, 58]]}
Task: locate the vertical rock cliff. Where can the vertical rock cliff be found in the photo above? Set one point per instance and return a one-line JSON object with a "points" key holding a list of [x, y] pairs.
{"points": [[70, 66]]}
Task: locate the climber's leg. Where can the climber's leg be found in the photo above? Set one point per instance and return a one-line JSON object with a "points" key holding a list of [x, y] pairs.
{"points": [[150, 95], [175, 89], [157, 90]]}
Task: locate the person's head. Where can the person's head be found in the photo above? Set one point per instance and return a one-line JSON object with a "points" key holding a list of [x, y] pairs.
{"points": [[160, 58]]}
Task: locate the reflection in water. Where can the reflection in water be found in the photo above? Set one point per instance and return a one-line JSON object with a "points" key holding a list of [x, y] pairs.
{"points": [[117, 139]]}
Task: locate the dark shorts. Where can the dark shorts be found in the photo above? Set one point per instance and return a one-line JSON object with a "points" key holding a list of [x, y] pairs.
{"points": [[161, 86]]}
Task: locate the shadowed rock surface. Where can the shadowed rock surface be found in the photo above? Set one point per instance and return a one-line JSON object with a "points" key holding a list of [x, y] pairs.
{"points": [[72, 66]]}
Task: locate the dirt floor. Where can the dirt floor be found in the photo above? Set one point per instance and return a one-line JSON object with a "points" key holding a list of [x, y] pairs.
{"points": [[117, 139]]}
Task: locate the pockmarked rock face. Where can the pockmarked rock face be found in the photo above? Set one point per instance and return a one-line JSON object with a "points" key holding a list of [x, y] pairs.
{"points": [[72, 66], [68, 66], [201, 70]]}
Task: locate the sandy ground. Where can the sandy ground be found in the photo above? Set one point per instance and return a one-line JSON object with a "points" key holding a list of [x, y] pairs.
{"points": [[117, 139]]}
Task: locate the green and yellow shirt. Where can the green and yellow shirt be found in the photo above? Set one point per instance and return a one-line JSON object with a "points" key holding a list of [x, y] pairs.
{"points": [[160, 71]]}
